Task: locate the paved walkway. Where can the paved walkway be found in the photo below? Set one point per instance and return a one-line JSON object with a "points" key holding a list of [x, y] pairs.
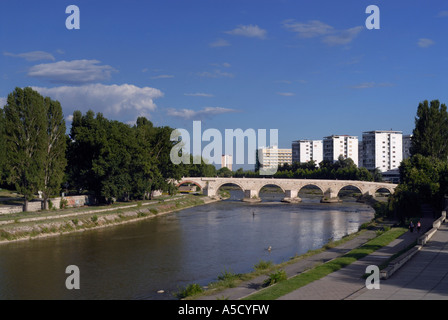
{"points": [[347, 283], [424, 277]]}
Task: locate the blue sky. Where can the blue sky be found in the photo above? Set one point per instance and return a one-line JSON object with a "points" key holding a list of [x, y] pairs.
{"points": [[307, 68]]}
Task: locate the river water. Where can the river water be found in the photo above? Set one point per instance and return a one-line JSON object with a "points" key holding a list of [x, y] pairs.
{"points": [[134, 261]]}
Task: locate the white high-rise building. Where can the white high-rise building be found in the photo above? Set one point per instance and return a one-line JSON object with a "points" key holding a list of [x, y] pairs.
{"points": [[273, 157], [382, 150], [226, 161], [307, 150], [407, 146], [337, 145]]}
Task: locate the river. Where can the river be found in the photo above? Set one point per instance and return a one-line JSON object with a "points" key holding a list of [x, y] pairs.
{"points": [[134, 261]]}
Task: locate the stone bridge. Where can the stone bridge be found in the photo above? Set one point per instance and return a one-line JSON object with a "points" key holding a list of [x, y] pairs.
{"points": [[291, 187]]}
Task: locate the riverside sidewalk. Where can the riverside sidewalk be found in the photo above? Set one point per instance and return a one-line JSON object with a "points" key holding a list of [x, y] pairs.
{"points": [[424, 277], [340, 284]]}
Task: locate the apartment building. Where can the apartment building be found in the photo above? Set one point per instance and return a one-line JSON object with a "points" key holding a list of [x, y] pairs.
{"points": [[407, 146], [273, 157], [382, 150], [337, 145], [307, 150], [226, 161]]}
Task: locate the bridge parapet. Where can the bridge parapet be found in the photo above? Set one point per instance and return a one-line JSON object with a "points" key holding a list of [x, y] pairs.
{"points": [[291, 187]]}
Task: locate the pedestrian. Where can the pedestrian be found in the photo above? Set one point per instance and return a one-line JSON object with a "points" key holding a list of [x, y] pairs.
{"points": [[419, 225], [411, 226]]}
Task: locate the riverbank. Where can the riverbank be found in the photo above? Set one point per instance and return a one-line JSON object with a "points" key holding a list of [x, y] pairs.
{"points": [[20, 227]]}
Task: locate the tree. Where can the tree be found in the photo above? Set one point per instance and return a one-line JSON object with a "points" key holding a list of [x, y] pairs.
{"points": [[2, 148], [55, 160], [25, 128], [430, 136], [224, 172]]}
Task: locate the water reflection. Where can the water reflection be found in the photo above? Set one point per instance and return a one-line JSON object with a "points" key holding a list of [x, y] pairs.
{"points": [[195, 245]]}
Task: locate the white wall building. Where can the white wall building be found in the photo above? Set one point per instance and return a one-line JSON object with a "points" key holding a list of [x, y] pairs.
{"points": [[407, 146], [307, 150], [226, 161], [336, 145], [382, 150], [273, 157]]}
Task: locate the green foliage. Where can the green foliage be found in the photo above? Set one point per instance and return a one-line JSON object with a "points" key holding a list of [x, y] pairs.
{"points": [[275, 277], [55, 147], [25, 131], [263, 265], [114, 160], [94, 218], [190, 290], [342, 169], [430, 136]]}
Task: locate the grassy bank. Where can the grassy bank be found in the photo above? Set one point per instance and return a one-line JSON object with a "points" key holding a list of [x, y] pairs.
{"points": [[283, 287], [33, 225]]}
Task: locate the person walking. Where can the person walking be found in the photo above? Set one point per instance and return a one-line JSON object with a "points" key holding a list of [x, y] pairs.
{"points": [[411, 226], [419, 225]]}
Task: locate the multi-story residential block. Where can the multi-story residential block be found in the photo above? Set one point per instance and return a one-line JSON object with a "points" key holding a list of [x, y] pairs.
{"points": [[337, 145], [382, 150], [273, 157], [226, 161], [407, 146], [307, 150]]}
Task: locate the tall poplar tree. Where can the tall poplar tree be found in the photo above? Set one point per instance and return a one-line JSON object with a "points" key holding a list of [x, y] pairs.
{"points": [[430, 136], [25, 127], [2, 147], [55, 160]]}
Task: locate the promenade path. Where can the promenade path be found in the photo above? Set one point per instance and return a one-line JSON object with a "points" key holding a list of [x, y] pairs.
{"points": [[347, 283], [424, 277]]}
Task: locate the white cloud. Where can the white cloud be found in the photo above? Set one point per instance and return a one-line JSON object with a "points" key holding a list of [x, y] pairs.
{"points": [[163, 76], [216, 74], [286, 94], [250, 31], [32, 55], [366, 85], [2, 102], [199, 94], [343, 36], [72, 72], [424, 42], [442, 14], [219, 43], [119, 102], [328, 34], [200, 114], [311, 29]]}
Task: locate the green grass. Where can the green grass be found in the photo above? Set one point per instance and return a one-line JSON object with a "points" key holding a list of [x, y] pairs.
{"points": [[291, 284]]}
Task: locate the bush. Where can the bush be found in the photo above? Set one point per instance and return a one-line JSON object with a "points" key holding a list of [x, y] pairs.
{"points": [[94, 218], [190, 290], [262, 265], [275, 277]]}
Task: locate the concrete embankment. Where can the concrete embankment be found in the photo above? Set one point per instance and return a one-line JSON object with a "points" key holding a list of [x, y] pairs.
{"points": [[83, 219]]}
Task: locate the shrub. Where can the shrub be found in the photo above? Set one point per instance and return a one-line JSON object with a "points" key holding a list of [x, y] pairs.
{"points": [[262, 265], [275, 277], [189, 290], [94, 218]]}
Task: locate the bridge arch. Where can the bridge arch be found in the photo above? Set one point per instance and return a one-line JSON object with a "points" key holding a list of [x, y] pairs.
{"points": [[189, 182], [228, 183], [314, 185], [383, 189], [349, 187], [270, 184]]}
